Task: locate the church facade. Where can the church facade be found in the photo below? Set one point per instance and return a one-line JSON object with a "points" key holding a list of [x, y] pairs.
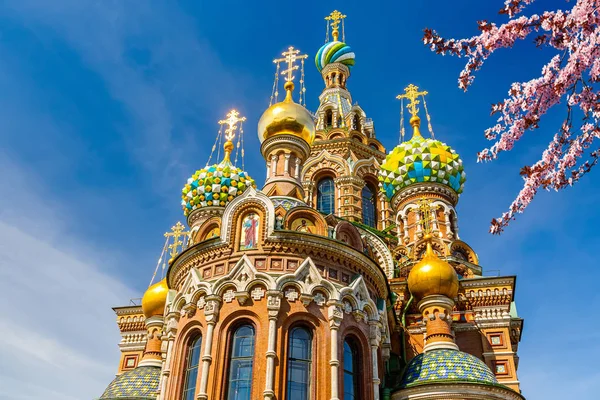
{"points": [[344, 277]]}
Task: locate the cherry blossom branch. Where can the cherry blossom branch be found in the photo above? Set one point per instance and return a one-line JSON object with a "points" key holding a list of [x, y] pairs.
{"points": [[572, 77]]}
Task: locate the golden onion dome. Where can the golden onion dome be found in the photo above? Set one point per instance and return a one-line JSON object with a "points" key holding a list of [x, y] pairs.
{"points": [[432, 276], [287, 118], [155, 298]]}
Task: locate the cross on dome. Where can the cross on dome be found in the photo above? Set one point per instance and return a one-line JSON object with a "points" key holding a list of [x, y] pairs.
{"points": [[290, 56], [411, 92], [231, 121], [335, 17]]}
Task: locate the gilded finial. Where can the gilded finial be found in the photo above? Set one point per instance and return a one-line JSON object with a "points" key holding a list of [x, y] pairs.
{"points": [[335, 17], [231, 121], [290, 57], [411, 92]]}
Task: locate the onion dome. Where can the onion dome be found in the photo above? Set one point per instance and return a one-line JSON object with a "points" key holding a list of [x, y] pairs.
{"points": [[446, 366], [155, 298], [287, 118], [334, 52], [216, 185], [432, 276], [421, 160], [140, 383]]}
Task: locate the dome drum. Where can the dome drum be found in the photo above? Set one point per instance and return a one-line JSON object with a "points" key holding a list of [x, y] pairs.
{"points": [[292, 144]]}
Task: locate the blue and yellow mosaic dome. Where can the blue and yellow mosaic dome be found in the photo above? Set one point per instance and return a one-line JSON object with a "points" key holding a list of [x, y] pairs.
{"points": [[333, 52], [140, 383], [216, 185], [446, 365], [421, 160]]}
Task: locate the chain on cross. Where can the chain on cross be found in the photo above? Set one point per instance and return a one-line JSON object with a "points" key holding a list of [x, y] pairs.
{"points": [[411, 92], [231, 121], [290, 57]]}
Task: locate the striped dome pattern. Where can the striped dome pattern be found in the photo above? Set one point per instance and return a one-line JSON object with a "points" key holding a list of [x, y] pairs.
{"points": [[216, 185], [333, 52], [139, 383], [421, 160], [446, 365]]}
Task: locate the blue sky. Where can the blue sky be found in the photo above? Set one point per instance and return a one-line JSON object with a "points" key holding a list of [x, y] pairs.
{"points": [[107, 107]]}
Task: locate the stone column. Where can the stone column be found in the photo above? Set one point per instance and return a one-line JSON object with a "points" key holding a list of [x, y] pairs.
{"points": [[274, 165], [168, 340], [273, 305], [211, 314], [335, 315], [405, 223], [448, 225], [374, 340], [286, 165]]}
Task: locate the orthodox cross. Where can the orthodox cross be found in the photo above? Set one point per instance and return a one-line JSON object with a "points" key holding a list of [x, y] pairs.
{"points": [[231, 121], [335, 17], [176, 233], [411, 92], [290, 56], [426, 211]]}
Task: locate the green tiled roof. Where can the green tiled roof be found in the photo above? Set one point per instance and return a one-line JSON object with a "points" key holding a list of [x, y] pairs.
{"points": [[140, 383], [445, 365]]}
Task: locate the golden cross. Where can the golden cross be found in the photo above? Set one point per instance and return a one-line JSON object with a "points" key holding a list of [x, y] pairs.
{"points": [[290, 57], [176, 233], [425, 207], [231, 121], [411, 92], [335, 17]]}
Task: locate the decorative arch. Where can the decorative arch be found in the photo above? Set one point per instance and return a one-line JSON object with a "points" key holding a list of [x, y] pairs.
{"points": [[358, 292], [242, 277], [306, 219], [470, 254], [383, 255], [347, 233], [309, 279], [209, 229], [250, 200], [325, 161], [336, 135], [375, 145], [437, 245]]}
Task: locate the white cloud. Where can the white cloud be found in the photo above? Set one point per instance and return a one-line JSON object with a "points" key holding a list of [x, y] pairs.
{"points": [[56, 322]]}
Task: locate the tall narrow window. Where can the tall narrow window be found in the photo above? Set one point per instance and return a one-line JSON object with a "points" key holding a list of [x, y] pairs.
{"points": [[351, 371], [240, 366], [369, 206], [356, 123], [191, 368], [299, 364], [326, 196], [328, 118]]}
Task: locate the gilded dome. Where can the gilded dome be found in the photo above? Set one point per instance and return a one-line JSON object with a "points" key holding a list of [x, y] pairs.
{"points": [[287, 118], [432, 276], [216, 185], [333, 52], [155, 298], [421, 160]]}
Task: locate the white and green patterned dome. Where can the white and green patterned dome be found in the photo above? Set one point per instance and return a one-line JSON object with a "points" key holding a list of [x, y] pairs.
{"points": [[421, 160]]}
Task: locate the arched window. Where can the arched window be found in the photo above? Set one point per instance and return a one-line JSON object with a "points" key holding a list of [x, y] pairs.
{"points": [[326, 196], [328, 118], [192, 361], [240, 364], [356, 122], [351, 371], [369, 206], [299, 364]]}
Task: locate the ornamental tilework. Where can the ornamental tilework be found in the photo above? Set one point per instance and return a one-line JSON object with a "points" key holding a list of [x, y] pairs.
{"points": [[421, 160], [216, 185], [446, 365], [139, 383], [333, 52]]}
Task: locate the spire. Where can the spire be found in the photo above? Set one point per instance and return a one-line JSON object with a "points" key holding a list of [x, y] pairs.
{"points": [[232, 120], [411, 93]]}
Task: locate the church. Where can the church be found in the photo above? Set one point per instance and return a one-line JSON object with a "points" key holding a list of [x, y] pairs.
{"points": [[343, 277]]}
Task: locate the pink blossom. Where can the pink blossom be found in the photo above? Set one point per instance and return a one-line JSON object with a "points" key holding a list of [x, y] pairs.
{"points": [[570, 78]]}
